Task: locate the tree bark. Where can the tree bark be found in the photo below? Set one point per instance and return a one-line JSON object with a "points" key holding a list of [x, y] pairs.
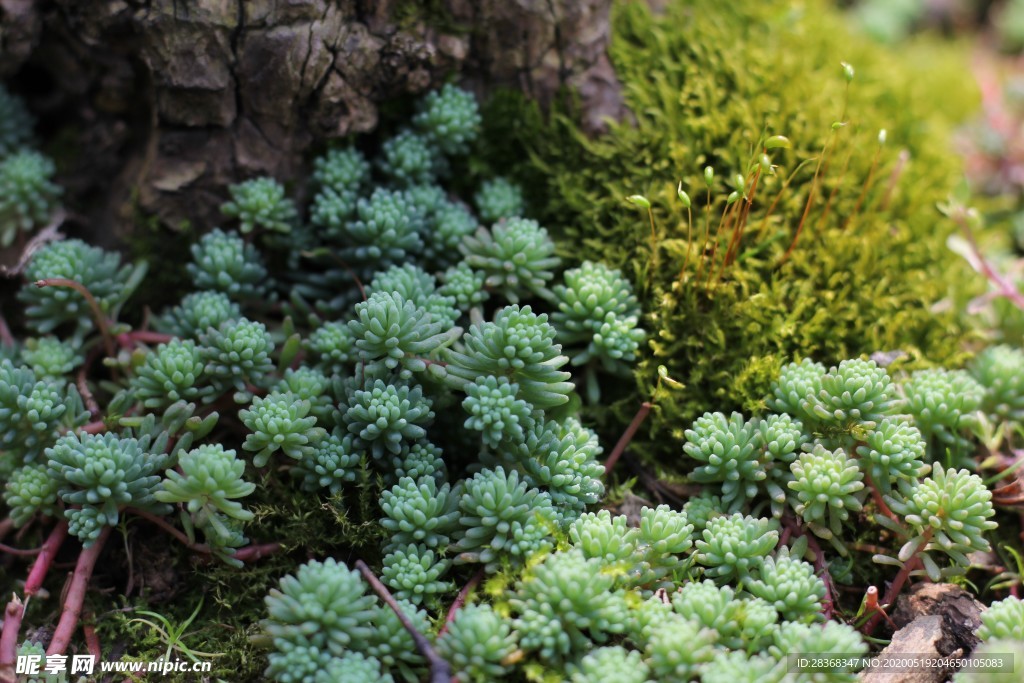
{"points": [[170, 101]]}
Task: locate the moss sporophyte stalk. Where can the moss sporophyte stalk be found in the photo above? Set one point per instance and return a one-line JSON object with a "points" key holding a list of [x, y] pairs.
{"points": [[374, 429]]}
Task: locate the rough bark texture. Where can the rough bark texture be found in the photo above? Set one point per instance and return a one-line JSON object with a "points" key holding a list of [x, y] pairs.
{"points": [[176, 99]]}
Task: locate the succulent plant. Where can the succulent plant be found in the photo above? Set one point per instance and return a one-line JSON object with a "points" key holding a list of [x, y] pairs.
{"points": [[444, 231], [734, 547], [421, 459], [27, 195], [747, 623], [1000, 370], [677, 650], [31, 411], [943, 404], [99, 271], [520, 345], [333, 345], [893, 450], [413, 572], [197, 313], [333, 460], [476, 644], [224, 262], [796, 382], [495, 412], [320, 611], [98, 474], [828, 486], [516, 257], [388, 417], [449, 118], [790, 585], [260, 203], [564, 604], [385, 230], [562, 457], [949, 513], [856, 393], [396, 333], [465, 285], [51, 358], [280, 421], [353, 667], [409, 159], [237, 354], [499, 198], [419, 512], [737, 667], [209, 481], [728, 449], [31, 491], [610, 663], [170, 373], [1004, 619], [500, 517]]}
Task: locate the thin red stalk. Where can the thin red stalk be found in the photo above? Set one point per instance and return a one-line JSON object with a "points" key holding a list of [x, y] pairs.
{"points": [[94, 306], [741, 224], [898, 582], [460, 599], [726, 213], [251, 553], [83, 389], [1005, 287], [689, 244], [832, 194], [810, 199], [821, 567], [6, 338], [876, 495], [97, 427], [440, 670], [9, 638], [627, 436], [894, 177], [20, 552], [76, 594], [92, 640], [41, 566], [127, 340], [707, 235], [864, 190], [166, 526]]}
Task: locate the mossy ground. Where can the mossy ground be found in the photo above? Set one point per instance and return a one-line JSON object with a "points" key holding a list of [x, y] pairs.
{"points": [[705, 81]]}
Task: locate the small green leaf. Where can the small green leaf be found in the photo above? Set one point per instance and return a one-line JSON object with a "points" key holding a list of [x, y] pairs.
{"points": [[777, 141], [683, 197], [289, 350], [639, 200], [709, 175]]}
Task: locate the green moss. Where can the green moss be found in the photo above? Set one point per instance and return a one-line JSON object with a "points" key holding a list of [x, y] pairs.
{"points": [[706, 82]]}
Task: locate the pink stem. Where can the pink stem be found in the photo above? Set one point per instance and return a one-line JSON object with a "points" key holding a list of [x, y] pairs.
{"points": [[9, 638], [627, 436], [460, 599], [163, 524], [37, 574], [94, 306], [126, 340], [19, 552], [76, 595], [251, 553]]}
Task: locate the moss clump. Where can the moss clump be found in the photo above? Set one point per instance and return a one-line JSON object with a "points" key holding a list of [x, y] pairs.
{"points": [[707, 84]]}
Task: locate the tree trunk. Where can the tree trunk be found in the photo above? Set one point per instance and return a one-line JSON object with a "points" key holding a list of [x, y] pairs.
{"points": [[167, 102]]}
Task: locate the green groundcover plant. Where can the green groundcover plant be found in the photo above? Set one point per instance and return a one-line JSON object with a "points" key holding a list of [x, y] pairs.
{"points": [[366, 430]]}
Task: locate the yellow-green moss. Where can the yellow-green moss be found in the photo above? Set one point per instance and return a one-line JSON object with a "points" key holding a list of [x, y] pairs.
{"points": [[705, 81]]}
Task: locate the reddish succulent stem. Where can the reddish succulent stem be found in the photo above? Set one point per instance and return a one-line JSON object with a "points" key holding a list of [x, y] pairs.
{"points": [[45, 557], [20, 552], [166, 526], [440, 670], [1005, 287], [92, 641], [251, 553], [876, 495], [898, 582], [9, 638], [97, 427], [127, 340], [6, 525], [94, 306], [6, 338], [460, 599], [627, 436], [75, 597]]}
